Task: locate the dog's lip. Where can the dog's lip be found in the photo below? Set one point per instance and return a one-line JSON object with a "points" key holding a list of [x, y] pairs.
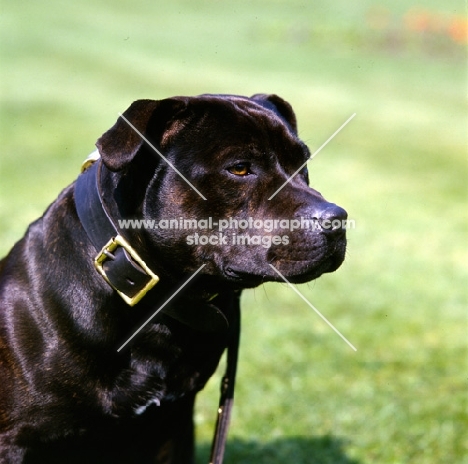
{"points": [[295, 271], [242, 279], [237, 274], [269, 275]]}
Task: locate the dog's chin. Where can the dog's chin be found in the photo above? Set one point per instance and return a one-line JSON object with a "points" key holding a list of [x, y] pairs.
{"points": [[299, 272], [296, 272]]}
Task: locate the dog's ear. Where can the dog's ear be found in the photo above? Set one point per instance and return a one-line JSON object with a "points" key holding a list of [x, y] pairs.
{"points": [[152, 119], [281, 107]]}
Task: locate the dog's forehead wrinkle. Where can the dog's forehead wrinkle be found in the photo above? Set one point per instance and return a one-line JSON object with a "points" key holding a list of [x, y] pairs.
{"points": [[172, 130], [256, 110], [235, 109]]}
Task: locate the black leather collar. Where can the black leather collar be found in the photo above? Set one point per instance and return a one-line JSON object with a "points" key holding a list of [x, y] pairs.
{"points": [[117, 262]]}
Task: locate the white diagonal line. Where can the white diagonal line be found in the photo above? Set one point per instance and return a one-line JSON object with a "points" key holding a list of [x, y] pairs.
{"points": [[315, 153], [314, 308], [164, 304], [160, 154]]}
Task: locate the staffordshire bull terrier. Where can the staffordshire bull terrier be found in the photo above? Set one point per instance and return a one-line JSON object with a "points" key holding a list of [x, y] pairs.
{"points": [[79, 284]]}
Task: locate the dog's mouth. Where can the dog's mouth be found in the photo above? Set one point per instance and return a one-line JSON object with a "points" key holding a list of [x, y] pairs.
{"points": [[243, 278], [294, 271]]}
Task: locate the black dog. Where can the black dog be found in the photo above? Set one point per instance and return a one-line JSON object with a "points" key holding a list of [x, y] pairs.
{"points": [[66, 394]]}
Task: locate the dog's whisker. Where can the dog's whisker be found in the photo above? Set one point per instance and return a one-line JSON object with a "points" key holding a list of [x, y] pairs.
{"points": [[314, 308]]}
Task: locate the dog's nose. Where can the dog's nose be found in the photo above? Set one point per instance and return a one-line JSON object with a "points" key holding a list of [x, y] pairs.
{"points": [[332, 219]]}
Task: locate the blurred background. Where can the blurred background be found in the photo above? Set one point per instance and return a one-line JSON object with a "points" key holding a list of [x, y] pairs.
{"points": [[399, 168]]}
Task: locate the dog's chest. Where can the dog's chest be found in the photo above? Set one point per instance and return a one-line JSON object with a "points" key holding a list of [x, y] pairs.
{"points": [[165, 368]]}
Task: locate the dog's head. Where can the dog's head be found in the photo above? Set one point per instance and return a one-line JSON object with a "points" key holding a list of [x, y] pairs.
{"points": [[243, 155]]}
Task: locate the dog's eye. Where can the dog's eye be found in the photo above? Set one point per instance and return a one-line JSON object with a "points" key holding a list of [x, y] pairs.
{"points": [[240, 169]]}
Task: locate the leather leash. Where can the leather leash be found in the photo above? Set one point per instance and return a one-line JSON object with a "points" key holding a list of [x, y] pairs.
{"points": [[226, 401]]}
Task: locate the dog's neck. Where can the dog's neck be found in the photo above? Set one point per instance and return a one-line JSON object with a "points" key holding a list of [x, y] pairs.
{"points": [[120, 264]]}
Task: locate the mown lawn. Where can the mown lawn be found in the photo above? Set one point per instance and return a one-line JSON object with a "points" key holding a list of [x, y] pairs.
{"points": [[399, 168]]}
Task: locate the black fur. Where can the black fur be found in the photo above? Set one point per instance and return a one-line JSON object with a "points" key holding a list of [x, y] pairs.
{"points": [[66, 394]]}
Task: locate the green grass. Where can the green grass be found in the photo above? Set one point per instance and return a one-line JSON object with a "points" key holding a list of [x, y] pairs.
{"points": [[399, 168]]}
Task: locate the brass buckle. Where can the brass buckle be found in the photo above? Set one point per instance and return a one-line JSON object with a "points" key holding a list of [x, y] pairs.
{"points": [[109, 247]]}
